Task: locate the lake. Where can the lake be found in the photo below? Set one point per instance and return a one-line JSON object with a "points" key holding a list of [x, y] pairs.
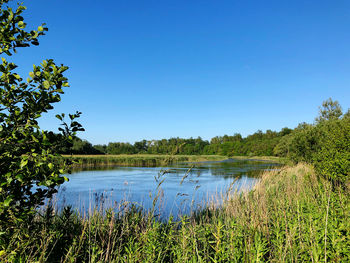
{"points": [[180, 188]]}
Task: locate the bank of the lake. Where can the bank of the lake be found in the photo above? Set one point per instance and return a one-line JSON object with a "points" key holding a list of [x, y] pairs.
{"points": [[139, 160], [291, 215], [275, 159], [156, 160]]}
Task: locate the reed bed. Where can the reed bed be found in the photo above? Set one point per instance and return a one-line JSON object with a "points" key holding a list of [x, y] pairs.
{"points": [[139, 160], [276, 159], [290, 216]]}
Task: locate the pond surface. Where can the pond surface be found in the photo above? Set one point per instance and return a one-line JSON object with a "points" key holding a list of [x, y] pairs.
{"points": [[180, 188]]}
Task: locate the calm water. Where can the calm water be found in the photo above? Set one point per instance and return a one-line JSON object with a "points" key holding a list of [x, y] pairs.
{"points": [[178, 195]]}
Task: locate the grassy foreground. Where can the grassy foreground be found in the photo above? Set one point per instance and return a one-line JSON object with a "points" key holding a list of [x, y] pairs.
{"points": [[142, 160], [291, 215]]}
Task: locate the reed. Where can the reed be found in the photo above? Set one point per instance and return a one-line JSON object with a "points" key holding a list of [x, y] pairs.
{"points": [[290, 216], [138, 160], [276, 159]]}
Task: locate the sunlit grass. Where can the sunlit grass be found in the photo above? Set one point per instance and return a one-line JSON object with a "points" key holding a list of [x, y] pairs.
{"points": [[139, 159], [262, 158], [152, 160]]}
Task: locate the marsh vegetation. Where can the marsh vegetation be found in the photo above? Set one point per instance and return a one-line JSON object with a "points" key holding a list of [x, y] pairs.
{"points": [[138, 160]]}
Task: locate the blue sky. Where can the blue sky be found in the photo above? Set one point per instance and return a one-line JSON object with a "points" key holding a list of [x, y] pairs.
{"points": [[161, 69]]}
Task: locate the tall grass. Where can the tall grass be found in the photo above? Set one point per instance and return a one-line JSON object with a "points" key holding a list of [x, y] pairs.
{"points": [[139, 160], [290, 216]]}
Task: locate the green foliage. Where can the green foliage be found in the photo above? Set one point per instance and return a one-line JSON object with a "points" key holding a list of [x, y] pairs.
{"points": [[329, 110], [29, 172], [347, 114], [326, 144], [332, 160], [304, 143], [120, 148], [101, 148], [282, 148], [13, 34], [83, 147], [257, 144]]}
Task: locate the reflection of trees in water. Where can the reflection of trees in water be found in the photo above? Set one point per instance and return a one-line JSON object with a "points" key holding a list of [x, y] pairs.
{"points": [[225, 174], [120, 168], [249, 169], [94, 168], [230, 169]]}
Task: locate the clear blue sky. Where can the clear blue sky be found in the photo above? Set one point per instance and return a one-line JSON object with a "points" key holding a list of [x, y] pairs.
{"points": [[160, 69]]}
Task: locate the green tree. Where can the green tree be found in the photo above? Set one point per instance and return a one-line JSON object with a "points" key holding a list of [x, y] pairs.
{"points": [[347, 114], [102, 149], [332, 160], [29, 171], [329, 110], [283, 146]]}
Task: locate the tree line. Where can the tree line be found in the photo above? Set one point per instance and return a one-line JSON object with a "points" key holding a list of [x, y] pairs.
{"points": [[258, 144]]}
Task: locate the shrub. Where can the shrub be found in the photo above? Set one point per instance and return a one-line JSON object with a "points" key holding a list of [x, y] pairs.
{"points": [[332, 160]]}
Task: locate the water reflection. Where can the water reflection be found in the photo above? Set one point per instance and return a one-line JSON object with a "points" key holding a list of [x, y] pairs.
{"points": [[183, 188]]}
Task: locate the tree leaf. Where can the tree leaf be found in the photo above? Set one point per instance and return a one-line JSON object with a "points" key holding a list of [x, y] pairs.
{"points": [[46, 84]]}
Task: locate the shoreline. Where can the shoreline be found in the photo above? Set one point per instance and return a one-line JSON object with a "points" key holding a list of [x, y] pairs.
{"points": [[156, 160]]}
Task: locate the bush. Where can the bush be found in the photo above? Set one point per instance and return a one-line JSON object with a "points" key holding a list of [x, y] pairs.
{"points": [[332, 160], [304, 143], [325, 144]]}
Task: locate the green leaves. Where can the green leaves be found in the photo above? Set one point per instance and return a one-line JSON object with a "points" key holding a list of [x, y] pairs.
{"points": [[46, 84], [26, 153], [21, 24], [60, 117], [332, 159], [24, 162], [7, 201], [13, 33], [325, 144]]}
